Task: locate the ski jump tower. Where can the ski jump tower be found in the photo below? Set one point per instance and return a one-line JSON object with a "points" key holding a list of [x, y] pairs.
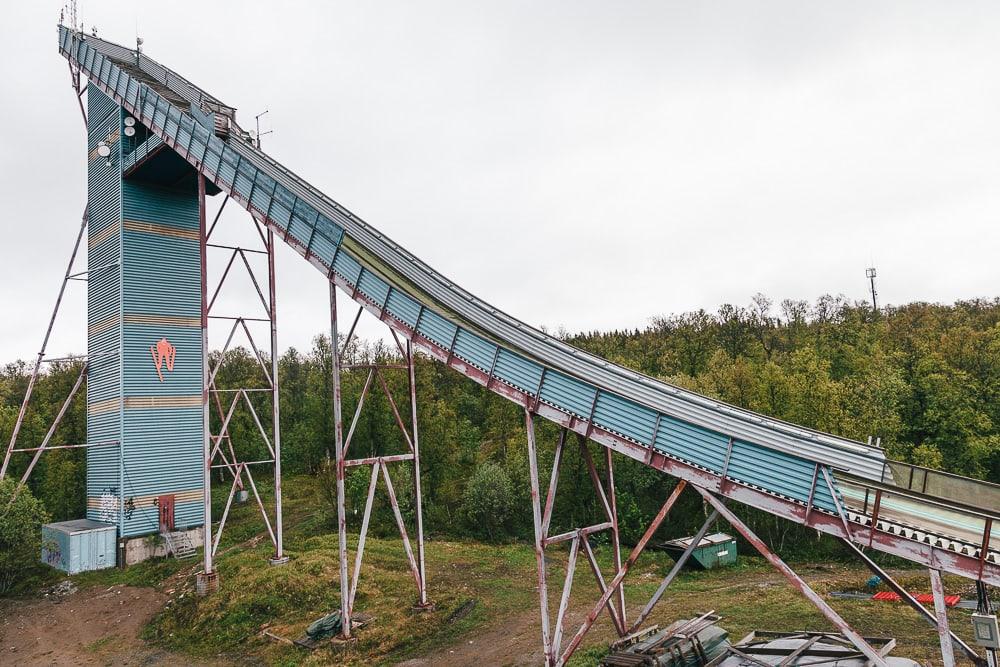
{"points": [[159, 146]]}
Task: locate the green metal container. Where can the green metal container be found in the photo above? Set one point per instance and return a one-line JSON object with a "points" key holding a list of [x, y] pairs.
{"points": [[717, 550]]}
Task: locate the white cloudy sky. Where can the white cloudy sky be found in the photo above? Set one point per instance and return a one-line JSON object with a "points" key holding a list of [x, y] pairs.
{"points": [[579, 164]]}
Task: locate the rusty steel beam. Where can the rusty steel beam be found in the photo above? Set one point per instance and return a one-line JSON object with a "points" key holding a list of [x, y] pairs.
{"points": [[392, 458], [536, 515], [402, 526], [418, 496], [912, 601], [45, 344], [550, 496], [674, 571], [574, 550], [616, 548], [620, 575], [345, 605], [859, 642], [364, 533], [395, 410], [52, 429], [617, 620], [357, 411], [941, 614]]}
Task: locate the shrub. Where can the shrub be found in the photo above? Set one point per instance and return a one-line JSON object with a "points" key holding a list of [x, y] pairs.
{"points": [[20, 533], [488, 504]]}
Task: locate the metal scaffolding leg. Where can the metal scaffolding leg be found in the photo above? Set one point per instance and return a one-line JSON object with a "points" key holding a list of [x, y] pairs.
{"points": [[608, 591], [279, 554], [415, 558], [208, 580], [912, 601], [345, 587], [45, 343], [612, 595], [859, 642], [941, 613]]}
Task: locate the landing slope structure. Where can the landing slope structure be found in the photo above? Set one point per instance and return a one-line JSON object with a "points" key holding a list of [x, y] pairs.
{"points": [[813, 478]]}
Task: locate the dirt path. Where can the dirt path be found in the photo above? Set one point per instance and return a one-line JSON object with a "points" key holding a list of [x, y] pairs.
{"points": [[98, 626]]}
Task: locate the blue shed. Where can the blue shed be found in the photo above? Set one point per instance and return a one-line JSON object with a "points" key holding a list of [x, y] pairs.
{"points": [[80, 545]]}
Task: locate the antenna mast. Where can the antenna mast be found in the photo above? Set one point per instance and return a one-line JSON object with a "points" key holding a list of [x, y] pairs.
{"points": [[870, 273]]}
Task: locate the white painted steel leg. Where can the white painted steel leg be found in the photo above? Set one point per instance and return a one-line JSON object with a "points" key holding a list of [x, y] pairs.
{"points": [[345, 586], [205, 387], [536, 513], [941, 612], [418, 496]]}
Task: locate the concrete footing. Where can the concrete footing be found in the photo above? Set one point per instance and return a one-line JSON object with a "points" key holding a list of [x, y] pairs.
{"points": [[137, 549], [206, 584]]}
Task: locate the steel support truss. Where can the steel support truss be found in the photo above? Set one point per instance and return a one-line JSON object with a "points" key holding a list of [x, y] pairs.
{"points": [[379, 464], [40, 359], [220, 453], [612, 597]]}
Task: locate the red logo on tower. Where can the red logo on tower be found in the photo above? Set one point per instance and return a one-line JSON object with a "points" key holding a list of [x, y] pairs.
{"points": [[163, 355]]}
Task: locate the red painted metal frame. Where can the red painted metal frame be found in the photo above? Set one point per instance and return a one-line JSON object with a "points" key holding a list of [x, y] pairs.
{"points": [[228, 457], [40, 358], [411, 438], [873, 655]]}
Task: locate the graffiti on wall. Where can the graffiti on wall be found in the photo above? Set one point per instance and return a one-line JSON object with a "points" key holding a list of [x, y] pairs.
{"points": [[107, 510]]}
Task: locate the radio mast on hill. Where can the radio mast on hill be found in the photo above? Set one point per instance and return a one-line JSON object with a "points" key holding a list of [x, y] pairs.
{"points": [[870, 272]]}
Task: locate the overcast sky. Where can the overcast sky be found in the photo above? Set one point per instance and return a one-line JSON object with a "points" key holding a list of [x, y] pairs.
{"points": [[584, 165]]}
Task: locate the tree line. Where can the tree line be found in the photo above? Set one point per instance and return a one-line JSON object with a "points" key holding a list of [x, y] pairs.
{"points": [[922, 379]]}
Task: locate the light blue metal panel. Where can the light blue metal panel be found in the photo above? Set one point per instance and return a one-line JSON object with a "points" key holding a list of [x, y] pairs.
{"points": [[373, 287], [518, 371], [323, 248], [263, 186], [691, 443], [303, 217], [141, 378], [103, 306], [475, 349], [403, 308], [163, 456], [347, 267], [567, 393], [436, 328], [145, 202], [777, 472], [625, 417]]}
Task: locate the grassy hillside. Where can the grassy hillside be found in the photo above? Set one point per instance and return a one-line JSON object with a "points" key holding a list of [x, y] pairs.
{"points": [[500, 578]]}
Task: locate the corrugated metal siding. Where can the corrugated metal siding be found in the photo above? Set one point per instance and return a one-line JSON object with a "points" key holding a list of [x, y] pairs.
{"points": [[162, 299], [103, 310]]}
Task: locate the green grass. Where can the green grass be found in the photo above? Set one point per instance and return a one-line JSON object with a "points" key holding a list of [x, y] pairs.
{"points": [[500, 578]]}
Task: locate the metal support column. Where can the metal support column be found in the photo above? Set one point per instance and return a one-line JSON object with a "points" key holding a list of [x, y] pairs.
{"points": [[912, 601], [279, 555], [208, 580], [941, 613], [418, 502], [345, 606], [855, 638], [536, 515]]}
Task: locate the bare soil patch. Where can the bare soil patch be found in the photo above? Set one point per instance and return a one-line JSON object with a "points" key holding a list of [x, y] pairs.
{"points": [[97, 626]]}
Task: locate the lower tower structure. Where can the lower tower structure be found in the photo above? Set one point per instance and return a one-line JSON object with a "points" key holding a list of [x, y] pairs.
{"points": [[144, 385]]}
